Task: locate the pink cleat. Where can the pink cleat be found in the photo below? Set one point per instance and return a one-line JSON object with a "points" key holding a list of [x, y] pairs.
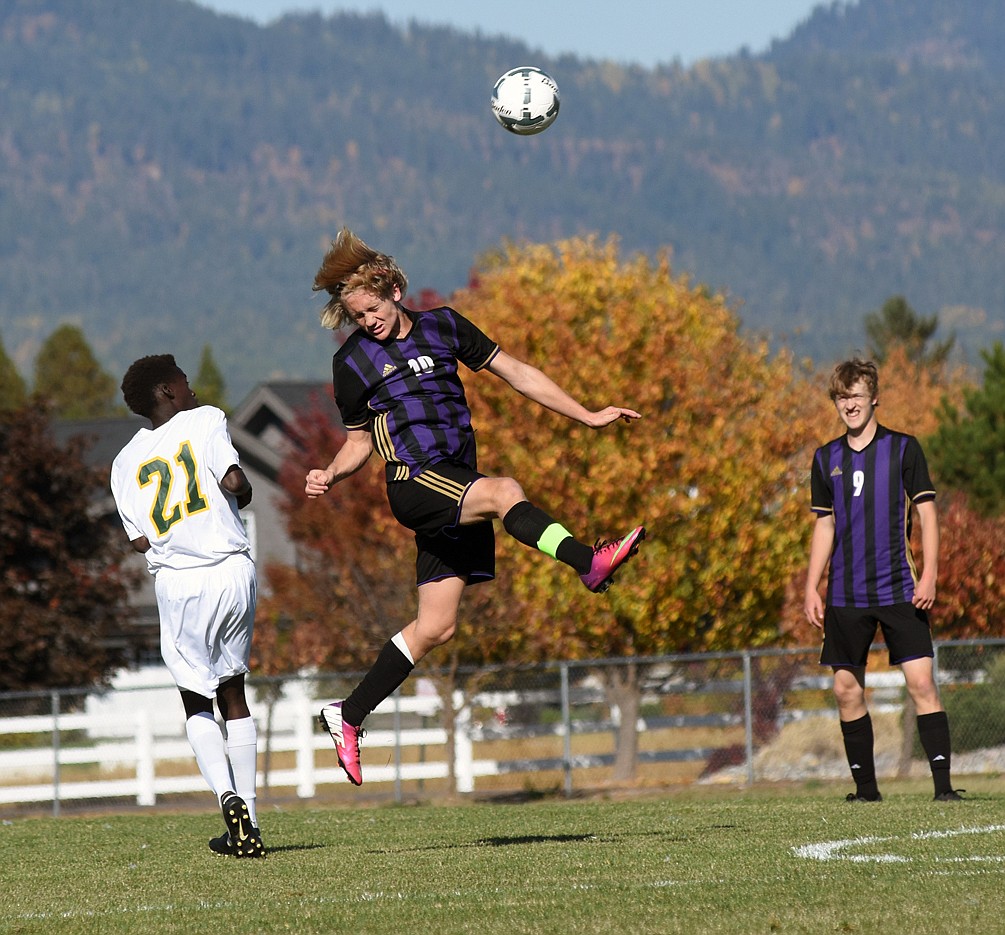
{"points": [[346, 739], [608, 557]]}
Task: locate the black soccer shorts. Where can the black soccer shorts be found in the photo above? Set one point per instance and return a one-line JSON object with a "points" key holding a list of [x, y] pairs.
{"points": [[849, 632], [430, 505]]}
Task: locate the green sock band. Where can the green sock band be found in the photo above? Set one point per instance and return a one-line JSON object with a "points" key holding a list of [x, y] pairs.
{"points": [[552, 538]]}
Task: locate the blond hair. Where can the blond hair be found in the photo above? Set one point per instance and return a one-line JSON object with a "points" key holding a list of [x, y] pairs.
{"points": [[351, 266]]}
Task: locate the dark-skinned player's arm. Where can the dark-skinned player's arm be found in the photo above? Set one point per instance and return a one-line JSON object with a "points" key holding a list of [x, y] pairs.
{"points": [[236, 482]]}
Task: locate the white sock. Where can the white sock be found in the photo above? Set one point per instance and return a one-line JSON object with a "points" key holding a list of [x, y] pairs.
{"points": [[242, 747], [210, 750], [399, 641]]}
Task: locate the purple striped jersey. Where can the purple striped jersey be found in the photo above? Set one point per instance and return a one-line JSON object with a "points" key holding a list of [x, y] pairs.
{"points": [[869, 493], [408, 391]]}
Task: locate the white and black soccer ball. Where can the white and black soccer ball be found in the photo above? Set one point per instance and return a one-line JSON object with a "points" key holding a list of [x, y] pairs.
{"points": [[525, 100]]}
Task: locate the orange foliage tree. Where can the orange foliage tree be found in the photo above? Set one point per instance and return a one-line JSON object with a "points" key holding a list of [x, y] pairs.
{"points": [[716, 469], [971, 594], [911, 394]]}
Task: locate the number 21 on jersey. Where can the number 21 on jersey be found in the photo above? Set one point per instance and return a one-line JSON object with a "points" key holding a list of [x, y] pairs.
{"points": [[159, 470]]}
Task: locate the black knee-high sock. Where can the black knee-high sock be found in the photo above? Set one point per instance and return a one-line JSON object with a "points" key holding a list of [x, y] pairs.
{"points": [[390, 669], [858, 747], [933, 729], [532, 526]]}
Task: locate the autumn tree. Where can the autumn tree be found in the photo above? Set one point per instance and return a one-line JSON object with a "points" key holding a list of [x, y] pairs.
{"points": [[716, 469], [13, 393], [971, 594], [69, 377], [911, 396], [209, 385], [62, 589], [896, 324]]}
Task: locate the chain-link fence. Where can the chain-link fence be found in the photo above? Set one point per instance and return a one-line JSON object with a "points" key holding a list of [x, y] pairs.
{"points": [[735, 718]]}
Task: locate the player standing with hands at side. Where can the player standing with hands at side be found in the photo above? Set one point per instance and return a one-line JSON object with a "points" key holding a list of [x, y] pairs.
{"points": [[398, 390], [863, 486], [178, 487]]}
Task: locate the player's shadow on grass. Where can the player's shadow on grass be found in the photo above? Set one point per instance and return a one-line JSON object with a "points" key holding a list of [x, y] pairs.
{"points": [[500, 841], [291, 848], [506, 840]]}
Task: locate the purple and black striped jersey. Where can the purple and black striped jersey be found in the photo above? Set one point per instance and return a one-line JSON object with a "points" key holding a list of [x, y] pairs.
{"points": [[408, 392], [870, 493]]}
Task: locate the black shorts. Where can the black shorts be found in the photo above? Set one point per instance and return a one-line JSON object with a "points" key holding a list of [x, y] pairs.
{"points": [[849, 632], [430, 505]]}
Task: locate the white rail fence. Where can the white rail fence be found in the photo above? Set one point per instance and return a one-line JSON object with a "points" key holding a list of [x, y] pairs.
{"points": [[142, 752], [134, 735], [129, 743]]}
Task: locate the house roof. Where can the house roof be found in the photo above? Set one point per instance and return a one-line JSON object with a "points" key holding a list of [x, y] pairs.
{"points": [[105, 437], [284, 397], [259, 425]]}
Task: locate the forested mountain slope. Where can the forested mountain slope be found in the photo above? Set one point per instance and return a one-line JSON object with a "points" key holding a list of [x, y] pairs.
{"points": [[169, 177]]}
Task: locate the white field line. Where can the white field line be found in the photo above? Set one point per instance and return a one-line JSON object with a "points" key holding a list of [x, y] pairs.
{"points": [[840, 850]]}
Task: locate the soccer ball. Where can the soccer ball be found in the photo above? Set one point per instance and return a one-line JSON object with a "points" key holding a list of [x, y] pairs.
{"points": [[525, 100]]}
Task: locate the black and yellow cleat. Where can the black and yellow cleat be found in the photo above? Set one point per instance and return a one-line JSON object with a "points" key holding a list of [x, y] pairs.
{"points": [[222, 845], [242, 839]]}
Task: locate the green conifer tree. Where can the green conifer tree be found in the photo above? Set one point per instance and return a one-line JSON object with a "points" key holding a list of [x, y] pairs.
{"points": [[69, 377], [13, 392], [967, 450], [897, 323], [209, 385]]}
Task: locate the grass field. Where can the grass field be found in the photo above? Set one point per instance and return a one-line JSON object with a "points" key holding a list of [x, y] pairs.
{"points": [[793, 860]]}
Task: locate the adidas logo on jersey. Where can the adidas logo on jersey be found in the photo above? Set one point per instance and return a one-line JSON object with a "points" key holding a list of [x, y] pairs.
{"points": [[836, 472], [388, 369]]}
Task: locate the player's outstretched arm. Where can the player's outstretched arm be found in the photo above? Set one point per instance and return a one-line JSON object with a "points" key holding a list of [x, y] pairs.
{"points": [[350, 458], [537, 386]]}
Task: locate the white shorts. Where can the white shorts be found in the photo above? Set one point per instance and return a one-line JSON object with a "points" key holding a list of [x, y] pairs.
{"points": [[206, 617]]}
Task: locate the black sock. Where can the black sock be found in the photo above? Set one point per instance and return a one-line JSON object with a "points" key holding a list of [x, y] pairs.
{"points": [[389, 670], [933, 729], [858, 747], [532, 526]]}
